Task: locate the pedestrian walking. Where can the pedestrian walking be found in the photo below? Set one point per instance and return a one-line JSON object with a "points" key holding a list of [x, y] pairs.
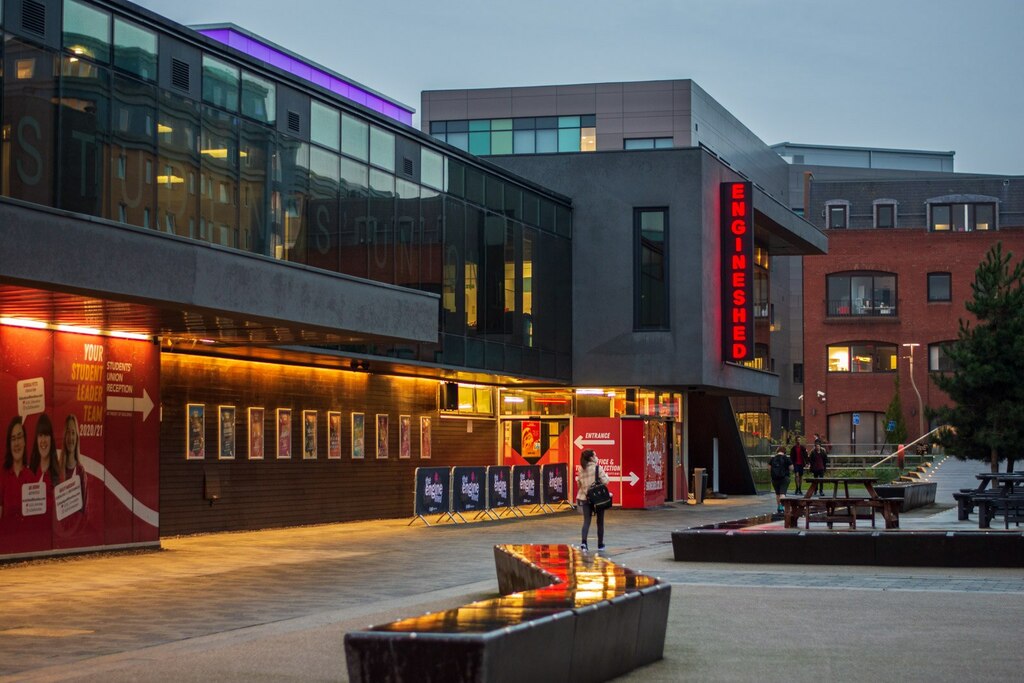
{"points": [[819, 462], [779, 468], [588, 473], [798, 456]]}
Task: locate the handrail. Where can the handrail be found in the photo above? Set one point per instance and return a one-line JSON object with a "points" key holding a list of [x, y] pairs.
{"points": [[906, 446]]}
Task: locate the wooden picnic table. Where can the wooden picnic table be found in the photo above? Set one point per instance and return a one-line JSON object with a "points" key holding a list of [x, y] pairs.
{"points": [[1006, 497], [840, 508]]}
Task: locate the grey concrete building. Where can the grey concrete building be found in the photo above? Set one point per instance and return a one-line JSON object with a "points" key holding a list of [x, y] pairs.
{"points": [[622, 149]]}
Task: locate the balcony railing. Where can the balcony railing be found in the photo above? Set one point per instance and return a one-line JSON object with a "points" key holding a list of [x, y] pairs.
{"points": [[860, 308]]}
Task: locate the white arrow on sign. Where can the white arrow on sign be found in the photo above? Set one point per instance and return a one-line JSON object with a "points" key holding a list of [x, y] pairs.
{"points": [[130, 404], [581, 442], [632, 479]]}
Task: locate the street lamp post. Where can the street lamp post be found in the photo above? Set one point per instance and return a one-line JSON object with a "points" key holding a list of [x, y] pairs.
{"points": [[920, 403]]}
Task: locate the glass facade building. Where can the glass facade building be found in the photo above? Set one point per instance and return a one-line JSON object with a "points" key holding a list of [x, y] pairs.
{"points": [[115, 120]]}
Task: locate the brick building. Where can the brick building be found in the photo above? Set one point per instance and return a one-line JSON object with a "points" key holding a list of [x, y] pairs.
{"points": [[902, 257]]}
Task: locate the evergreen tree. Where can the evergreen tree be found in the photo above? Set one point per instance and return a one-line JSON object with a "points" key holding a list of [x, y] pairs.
{"points": [[894, 413], [987, 381]]}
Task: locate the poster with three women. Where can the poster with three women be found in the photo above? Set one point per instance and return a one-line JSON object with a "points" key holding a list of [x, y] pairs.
{"points": [[81, 437]]}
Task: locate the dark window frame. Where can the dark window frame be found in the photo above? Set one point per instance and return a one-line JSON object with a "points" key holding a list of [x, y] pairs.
{"points": [[844, 209], [949, 286], [970, 216], [892, 218], [875, 357], [937, 367], [834, 309], [639, 246]]}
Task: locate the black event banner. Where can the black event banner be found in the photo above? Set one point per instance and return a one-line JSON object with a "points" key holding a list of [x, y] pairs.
{"points": [[555, 476], [433, 490], [525, 485], [468, 488], [498, 479]]}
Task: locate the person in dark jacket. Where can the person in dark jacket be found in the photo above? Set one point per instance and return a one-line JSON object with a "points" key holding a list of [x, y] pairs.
{"points": [[818, 462], [798, 456], [778, 466]]}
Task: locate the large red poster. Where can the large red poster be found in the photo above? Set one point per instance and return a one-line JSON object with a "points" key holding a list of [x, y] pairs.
{"points": [[88, 474]]}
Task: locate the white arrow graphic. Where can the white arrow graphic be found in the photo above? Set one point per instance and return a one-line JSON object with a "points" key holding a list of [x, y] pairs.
{"points": [[632, 479], [581, 442], [130, 404]]}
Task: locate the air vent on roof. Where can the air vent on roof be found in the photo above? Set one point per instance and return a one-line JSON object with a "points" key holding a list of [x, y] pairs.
{"points": [[407, 166], [294, 123], [180, 76], [33, 17]]}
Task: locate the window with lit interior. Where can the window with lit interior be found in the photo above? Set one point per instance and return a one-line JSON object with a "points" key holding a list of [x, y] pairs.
{"points": [[862, 357]]}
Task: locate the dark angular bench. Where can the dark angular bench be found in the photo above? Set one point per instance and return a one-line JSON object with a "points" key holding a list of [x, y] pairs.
{"points": [[563, 615]]}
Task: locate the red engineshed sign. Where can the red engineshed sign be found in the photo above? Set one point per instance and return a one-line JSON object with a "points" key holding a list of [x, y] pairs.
{"points": [[737, 272]]}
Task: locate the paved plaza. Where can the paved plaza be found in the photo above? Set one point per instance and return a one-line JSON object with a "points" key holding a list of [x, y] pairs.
{"points": [[274, 605]]}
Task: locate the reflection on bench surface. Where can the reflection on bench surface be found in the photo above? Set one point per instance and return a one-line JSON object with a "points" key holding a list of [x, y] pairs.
{"points": [[563, 615]]}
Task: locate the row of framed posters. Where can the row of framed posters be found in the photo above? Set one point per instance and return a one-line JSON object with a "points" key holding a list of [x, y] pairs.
{"points": [[227, 442]]}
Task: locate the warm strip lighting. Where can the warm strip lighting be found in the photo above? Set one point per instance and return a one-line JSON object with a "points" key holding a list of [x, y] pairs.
{"points": [[170, 179], [71, 329], [162, 128], [589, 392], [130, 335], [221, 153], [515, 399], [74, 329], [23, 322]]}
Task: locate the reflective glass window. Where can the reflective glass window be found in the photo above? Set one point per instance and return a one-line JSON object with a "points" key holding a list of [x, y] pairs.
{"points": [[218, 149], [381, 227], [479, 126], [324, 219], [407, 233], [382, 148], [940, 217], [588, 139], [480, 143], [568, 139], [453, 289], [355, 192], [86, 31], [651, 293], [177, 174], [568, 121], [501, 142], [324, 125], [459, 141], [135, 49], [257, 149], [83, 137], [291, 196], [524, 142], [938, 358], [885, 215], [220, 83], [29, 122], [984, 216], [259, 98], [837, 216], [431, 168], [547, 141], [133, 145], [354, 137], [939, 287]]}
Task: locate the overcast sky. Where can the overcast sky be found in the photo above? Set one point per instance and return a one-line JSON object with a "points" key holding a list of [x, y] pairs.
{"points": [[910, 74]]}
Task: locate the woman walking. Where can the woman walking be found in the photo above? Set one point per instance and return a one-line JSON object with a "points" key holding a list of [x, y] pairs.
{"points": [[587, 474]]}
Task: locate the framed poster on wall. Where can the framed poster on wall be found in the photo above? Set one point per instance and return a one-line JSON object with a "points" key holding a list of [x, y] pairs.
{"points": [[382, 436], [404, 436], [333, 435], [358, 435], [284, 433], [255, 433], [195, 431], [425, 438], [309, 435], [226, 432]]}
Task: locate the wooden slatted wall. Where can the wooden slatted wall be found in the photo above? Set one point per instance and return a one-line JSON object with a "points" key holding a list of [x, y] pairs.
{"points": [[257, 494]]}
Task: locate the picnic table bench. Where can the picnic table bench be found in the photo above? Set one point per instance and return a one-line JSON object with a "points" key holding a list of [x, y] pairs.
{"points": [[835, 508], [1005, 498]]}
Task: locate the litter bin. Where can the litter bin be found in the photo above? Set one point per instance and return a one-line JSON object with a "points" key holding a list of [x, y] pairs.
{"points": [[700, 484]]}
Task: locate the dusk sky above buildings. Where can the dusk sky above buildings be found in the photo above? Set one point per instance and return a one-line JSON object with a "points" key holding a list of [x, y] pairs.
{"points": [[936, 75]]}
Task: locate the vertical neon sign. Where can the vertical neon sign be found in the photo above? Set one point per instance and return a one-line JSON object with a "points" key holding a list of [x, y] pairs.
{"points": [[737, 272]]}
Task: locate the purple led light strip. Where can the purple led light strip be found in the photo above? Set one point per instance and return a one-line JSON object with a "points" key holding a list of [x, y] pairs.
{"points": [[275, 57]]}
